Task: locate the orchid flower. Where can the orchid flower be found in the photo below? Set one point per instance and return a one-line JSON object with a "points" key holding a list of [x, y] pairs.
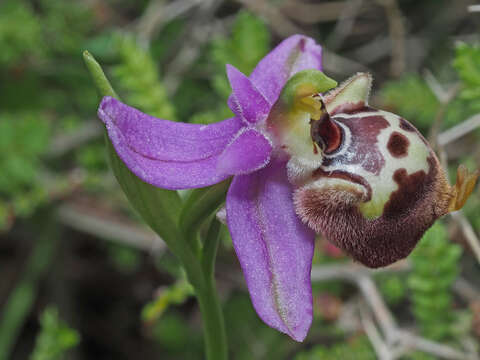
{"points": [[303, 161]]}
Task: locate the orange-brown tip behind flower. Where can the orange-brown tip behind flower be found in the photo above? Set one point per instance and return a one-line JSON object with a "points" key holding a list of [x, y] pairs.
{"points": [[462, 189]]}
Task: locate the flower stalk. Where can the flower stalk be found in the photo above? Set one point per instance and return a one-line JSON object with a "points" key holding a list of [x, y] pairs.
{"points": [[162, 210]]}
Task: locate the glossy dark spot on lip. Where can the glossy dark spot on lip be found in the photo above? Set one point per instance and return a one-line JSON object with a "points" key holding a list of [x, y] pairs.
{"points": [[398, 145], [405, 125], [326, 134], [363, 149]]}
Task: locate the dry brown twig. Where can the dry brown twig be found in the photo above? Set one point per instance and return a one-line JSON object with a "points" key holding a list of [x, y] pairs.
{"points": [[448, 136], [397, 340], [203, 26], [83, 220], [381, 349], [398, 32], [344, 25], [158, 14], [313, 13]]}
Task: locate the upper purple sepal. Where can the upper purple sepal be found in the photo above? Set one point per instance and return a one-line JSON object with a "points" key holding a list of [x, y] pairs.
{"points": [[294, 54]]}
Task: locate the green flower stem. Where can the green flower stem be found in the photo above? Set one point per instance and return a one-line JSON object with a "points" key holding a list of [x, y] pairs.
{"points": [[160, 209], [210, 249], [213, 322], [199, 205]]}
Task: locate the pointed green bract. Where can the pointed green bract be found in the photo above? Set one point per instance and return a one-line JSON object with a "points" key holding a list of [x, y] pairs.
{"points": [[353, 91], [304, 83]]}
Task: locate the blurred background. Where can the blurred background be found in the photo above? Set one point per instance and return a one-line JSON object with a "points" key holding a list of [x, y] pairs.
{"points": [[83, 278]]}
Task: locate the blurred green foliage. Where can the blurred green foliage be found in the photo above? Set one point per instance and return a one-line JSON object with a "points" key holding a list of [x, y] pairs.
{"points": [[125, 258], [435, 266], [24, 138], [45, 92], [248, 43], [20, 33], [411, 97], [249, 338], [357, 348], [392, 287], [177, 339], [174, 294], [42, 84], [55, 337], [467, 64], [138, 79]]}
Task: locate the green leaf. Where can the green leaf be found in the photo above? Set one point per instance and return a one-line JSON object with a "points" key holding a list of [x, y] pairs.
{"points": [[138, 78], [435, 265], [411, 98], [55, 337]]}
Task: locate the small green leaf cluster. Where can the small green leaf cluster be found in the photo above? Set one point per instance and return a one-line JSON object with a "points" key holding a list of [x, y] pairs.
{"points": [[23, 139], [138, 79], [435, 266], [248, 43], [358, 348], [392, 287], [411, 98], [249, 337], [467, 64], [174, 294], [43, 87], [20, 32], [55, 337]]}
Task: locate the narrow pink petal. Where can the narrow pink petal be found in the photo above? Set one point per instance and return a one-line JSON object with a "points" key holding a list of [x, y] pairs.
{"points": [[248, 102], [171, 175], [294, 54], [167, 140], [249, 151], [274, 248]]}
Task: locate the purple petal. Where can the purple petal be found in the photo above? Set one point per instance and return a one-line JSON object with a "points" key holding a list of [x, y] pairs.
{"points": [[163, 153], [292, 55], [247, 102], [249, 151], [274, 248], [172, 175], [167, 140]]}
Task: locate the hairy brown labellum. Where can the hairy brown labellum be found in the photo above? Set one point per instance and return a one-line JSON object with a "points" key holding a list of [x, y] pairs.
{"points": [[377, 186]]}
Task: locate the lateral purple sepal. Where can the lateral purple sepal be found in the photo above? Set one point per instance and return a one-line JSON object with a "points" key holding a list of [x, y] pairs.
{"points": [[249, 151], [274, 248], [167, 140], [164, 153], [171, 175], [247, 102]]}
